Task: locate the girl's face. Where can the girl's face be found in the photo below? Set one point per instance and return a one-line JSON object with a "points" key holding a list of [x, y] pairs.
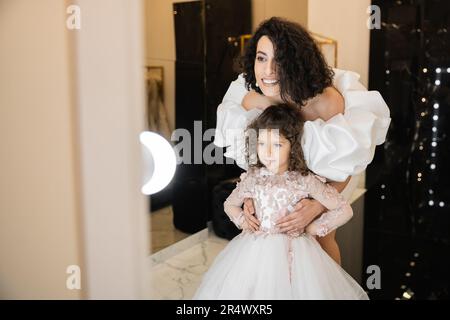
{"points": [[265, 68], [273, 150]]}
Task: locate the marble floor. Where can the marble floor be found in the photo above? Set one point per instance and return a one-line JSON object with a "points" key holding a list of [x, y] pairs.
{"points": [[179, 276]]}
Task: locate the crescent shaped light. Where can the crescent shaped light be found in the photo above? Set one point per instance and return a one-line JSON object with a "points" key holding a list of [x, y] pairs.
{"points": [[159, 162]]}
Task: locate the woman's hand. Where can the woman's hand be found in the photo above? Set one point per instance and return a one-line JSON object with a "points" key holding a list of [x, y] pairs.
{"points": [[251, 223], [304, 213], [254, 100]]}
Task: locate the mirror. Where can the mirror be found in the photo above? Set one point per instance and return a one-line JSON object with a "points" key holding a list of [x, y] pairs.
{"points": [[190, 61], [191, 51], [189, 65], [196, 42]]}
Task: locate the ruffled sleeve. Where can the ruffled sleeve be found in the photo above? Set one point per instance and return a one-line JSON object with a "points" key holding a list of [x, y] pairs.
{"points": [[345, 144], [232, 119]]}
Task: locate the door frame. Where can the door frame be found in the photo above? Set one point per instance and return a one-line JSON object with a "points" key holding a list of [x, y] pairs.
{"points": [[109, 94]]}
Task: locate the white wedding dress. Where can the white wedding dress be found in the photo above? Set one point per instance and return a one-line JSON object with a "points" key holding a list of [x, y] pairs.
{"points": [[270, 265], [338, 148]]}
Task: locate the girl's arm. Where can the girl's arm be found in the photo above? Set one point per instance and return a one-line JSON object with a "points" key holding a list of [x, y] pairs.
{"points": [[255, 100], [339, 211], [232, 205], [339, 186]]}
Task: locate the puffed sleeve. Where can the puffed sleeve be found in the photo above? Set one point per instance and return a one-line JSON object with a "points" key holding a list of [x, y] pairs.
{"points": [[345, 144], [232, 119]]}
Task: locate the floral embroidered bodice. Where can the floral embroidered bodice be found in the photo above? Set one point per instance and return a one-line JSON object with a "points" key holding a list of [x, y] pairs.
{"points": [[275, 195]]}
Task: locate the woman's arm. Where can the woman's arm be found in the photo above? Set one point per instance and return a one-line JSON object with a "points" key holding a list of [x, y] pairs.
{"points": [[331, 104], [255, 100], [328, 104], [339, 186], [306, 211], [325, 197]]}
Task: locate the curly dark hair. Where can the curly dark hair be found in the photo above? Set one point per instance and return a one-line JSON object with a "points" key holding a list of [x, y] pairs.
{"points": [[301, 68], [288, 120]]}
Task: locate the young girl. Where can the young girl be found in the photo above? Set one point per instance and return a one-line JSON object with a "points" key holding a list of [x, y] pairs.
{"points": [[267, 264]]}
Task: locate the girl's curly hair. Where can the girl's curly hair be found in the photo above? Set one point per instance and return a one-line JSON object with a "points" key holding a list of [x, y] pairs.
{"points": [[301, 68], [288, 120]]}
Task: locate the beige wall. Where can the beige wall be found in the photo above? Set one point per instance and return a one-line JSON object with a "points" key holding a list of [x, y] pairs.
{"points": [[326, 17], [345, 21], [39, 227], [160, 47], [294, 10]]}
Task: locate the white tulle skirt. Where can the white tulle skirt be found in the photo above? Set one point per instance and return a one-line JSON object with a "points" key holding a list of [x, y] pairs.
{"points": [[274, 266]]}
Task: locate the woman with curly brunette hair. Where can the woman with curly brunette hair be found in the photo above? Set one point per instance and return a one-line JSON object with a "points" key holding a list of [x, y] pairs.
{"points": [[344, 121], [303, 72]]}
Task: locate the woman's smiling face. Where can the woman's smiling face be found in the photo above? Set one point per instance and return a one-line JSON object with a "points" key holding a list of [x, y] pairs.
{"points": [[266, 68]]}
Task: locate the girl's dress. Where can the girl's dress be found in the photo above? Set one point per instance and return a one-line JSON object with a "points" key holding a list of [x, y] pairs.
{"points": [[268, 264]]}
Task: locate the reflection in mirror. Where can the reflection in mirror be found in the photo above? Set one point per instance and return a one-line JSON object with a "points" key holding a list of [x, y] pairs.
{"points": [[190, 62], [399, 224], [194, 45], [191, 58]]}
